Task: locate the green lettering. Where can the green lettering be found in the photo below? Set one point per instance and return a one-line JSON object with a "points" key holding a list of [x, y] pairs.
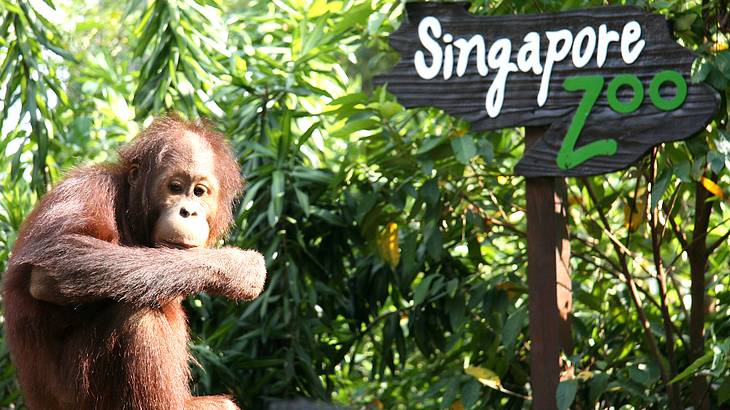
{"points": [[568, 156], [612, 93], [680, 95]]}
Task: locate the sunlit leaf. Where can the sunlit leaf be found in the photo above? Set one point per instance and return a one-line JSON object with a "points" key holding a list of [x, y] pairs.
{"points": [[712, 187], [485, 376]]}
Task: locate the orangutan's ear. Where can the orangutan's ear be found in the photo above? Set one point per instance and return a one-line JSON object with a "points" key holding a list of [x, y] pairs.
{"points": [[133, 175]]}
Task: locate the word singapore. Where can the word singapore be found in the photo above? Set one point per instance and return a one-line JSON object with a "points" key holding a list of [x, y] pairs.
{"points": [[604, 84]]}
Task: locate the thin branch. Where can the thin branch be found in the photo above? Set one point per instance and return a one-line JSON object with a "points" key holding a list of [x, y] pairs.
{"points": [[672, 204], [677, 232], [648, 335], [717, 243], [672, 392]]}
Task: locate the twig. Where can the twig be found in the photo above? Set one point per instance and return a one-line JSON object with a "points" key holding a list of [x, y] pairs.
{"points": [[672, 392], [648, 335], [717, 243]]}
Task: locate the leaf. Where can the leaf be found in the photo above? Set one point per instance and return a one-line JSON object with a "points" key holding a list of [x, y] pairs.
{"points": [[634, 215], [388, 244], [464, 148], [512, 326], [388, 109], [457, 405], [356, 15], [485, 376], [597, 386], [419, 295], [723, 392], [277, 197], [429, 192], [365, 204], [566, 393], [470, 393], [314, 36], [349, 99], [643, 374], [303, 200], [692, 368], [716, 161], [429, 144], [660, 187], [456, 309], [312, 175], [354, 126], [318, 8], [712, 187], [375, 20], [434, 239], [304, 137], [486, 150], [684, 22], [722, 60], [450, 393]]}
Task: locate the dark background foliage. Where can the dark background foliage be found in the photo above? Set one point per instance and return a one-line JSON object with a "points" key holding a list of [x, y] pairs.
{"points": [[395, 239]]}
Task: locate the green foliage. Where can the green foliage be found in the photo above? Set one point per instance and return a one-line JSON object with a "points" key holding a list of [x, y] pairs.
{"points": [[395, 239]]}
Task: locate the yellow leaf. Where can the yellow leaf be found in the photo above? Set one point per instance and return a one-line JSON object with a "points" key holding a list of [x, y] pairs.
{"points": [[509, 287], [388, 245], [323, 6], [632, 220], [376, 404], [634, 216], [241, 66], [585, 375], [574, 199], [712, 187], [485, 376], [718, 47], [457, 405]]}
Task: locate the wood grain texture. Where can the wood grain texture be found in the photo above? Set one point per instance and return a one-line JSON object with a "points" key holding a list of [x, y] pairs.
{"points": [[464, 96], [548, 280]]}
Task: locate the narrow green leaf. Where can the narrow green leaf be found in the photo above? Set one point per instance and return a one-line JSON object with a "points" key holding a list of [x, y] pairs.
{"points": [[692, 368], [513, 325], [660, 187], [419, 295], [277, 197]]}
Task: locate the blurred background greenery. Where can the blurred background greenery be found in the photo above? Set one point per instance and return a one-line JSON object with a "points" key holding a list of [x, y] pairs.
{"points": [[395, 239]]}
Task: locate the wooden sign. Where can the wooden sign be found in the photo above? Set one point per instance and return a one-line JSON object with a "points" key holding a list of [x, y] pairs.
{"points": [[609, 82]]}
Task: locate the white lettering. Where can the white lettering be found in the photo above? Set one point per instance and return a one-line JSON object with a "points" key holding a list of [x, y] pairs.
{"points": [[630, 35], [604, 39], [437, 55], [465, 48], [553, 56], [424, 71], [589, 35], [498, 59], [448, 56], [528, 58]]}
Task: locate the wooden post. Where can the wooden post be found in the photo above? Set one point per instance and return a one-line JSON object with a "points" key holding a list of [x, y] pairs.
{"points": [[548, 279]]}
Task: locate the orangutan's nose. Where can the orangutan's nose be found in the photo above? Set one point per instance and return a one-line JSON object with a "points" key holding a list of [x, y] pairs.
{"points": [[185, 213]]}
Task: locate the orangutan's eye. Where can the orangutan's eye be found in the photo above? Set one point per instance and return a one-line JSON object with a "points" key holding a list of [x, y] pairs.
{"points": [[199, 190], [176, 187]]}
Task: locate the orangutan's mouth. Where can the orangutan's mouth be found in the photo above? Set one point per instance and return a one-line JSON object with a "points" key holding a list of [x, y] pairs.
{"points": [[177, 245]]}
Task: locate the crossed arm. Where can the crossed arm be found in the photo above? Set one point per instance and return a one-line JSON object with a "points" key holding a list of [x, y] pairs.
{"points": [[76, 269]]}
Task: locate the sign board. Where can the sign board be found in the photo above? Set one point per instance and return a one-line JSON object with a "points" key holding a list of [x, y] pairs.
{"points": [[609, 82]]}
